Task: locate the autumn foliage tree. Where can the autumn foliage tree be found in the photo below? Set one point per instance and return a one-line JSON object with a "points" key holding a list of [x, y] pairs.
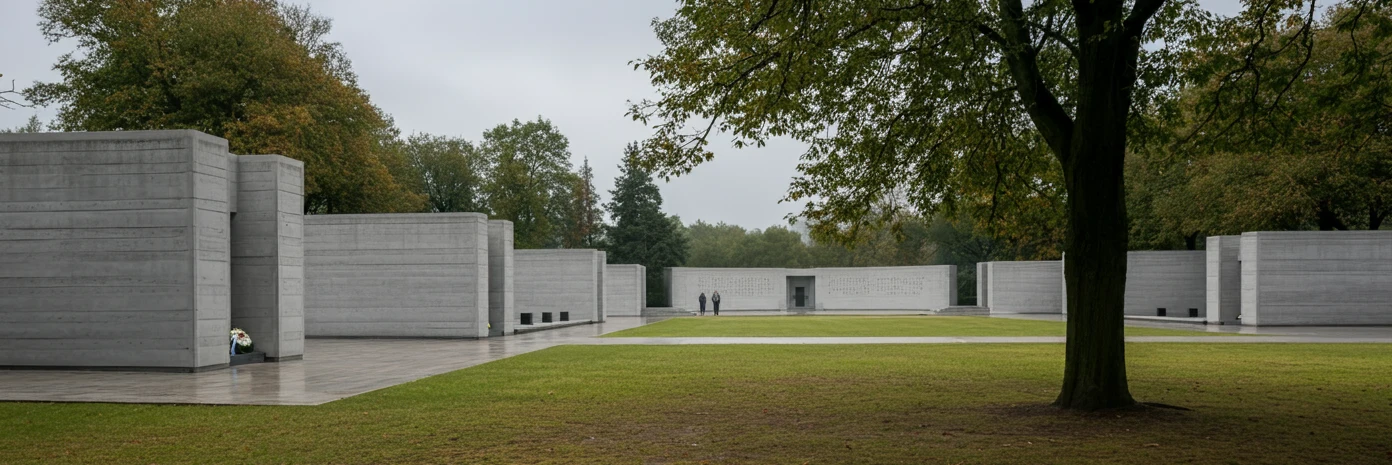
{"points": [[259, 73], [1284, 126]]}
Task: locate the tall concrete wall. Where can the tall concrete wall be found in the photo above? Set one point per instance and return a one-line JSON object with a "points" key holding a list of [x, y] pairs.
{"points": [[1223, 285], [114, 250], [1023, 286], [502, 306], [559, 280], [982, 279], [397, 275], [868, 288], [1317, 278], [625, 289], [601, 271], [1175, 280], [268, 254]]}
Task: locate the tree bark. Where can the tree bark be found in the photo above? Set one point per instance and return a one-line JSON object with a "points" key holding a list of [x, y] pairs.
{"points": [[1327, 219], [1091, 146], [1191, 241], [1094, 373], [1376, 215]]}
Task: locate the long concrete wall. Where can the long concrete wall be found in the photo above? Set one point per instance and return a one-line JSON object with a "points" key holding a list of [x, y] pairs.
{"points": [[1317, 278], [868, 288], [1223, 285], [502, 306], [559, 280], [397, 275], [626, 289], [1021, 287], [885, 288], [1175, 280], [268, 254], [114, 250], [740, 288]]}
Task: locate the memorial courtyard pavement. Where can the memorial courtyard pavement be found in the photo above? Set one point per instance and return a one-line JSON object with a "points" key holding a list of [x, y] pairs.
{"points": [[337, 368]]}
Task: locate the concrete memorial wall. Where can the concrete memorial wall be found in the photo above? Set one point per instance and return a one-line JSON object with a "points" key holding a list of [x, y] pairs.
{"points": [[267, 247], [772, 289], [740, 288], [1223, 279], [502, 306], [1316, 278], [397, 275], [117, 250], [552, 281], [1175, 280], [886, 288], [1021, 287], [625, 289]]}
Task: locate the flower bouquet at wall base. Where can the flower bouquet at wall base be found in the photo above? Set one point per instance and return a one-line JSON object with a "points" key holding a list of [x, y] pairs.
{"points": [[241, 342]]}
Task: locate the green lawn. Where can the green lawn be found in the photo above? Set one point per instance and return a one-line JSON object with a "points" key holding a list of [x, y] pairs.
{"points": [[968, 403], [850, 326]]}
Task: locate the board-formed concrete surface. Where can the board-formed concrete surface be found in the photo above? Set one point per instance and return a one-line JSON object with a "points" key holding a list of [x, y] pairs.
{"points": [[397, 275], [1317, 278], [886, 288], [502, 306], [602, 304], [114, 250], [740, 288], [1174, 280], [1223, 286], [559, 280], [1021, 287], [625, 288], [765, 289], [268, 254]]}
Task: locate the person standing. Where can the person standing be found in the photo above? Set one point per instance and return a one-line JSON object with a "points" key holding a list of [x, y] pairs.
{"points": [[702, 300], [715, 302]]}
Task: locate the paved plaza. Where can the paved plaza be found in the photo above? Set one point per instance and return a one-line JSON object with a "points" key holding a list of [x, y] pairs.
{"points": [[334, 369]]}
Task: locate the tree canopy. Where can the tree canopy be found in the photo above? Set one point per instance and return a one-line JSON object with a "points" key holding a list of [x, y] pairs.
{"points": [[583, 225], [530, 178], [1285, 128], [640, 233], [256, 72], [448, 170]]}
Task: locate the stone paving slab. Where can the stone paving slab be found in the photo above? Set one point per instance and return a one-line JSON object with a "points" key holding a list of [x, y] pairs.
{"points": [[334, 369]]}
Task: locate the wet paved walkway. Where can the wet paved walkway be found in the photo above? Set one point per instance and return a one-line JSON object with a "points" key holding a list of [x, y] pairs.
{"points": [[337, 368], [332, 369]]}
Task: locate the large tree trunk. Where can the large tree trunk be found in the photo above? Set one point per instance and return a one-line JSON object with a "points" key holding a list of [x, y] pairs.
{"points": [[1094, 374], [1095, 362], [1091, 146]]}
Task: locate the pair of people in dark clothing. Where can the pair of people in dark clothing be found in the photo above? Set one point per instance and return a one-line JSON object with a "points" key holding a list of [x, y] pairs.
{"points": [[715, 302]]}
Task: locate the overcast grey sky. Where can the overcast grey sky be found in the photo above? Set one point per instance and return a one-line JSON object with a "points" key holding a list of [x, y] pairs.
{"points": [[460, 67]]}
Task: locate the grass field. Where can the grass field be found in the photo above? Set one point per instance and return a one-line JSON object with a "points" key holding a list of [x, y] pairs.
{"points": [[968, 403], [868, 326]]}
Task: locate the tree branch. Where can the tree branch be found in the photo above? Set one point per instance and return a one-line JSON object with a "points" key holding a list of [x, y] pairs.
{"points": [[1140, 13], [6, 102], [1049, 32], [1040, 103]]}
